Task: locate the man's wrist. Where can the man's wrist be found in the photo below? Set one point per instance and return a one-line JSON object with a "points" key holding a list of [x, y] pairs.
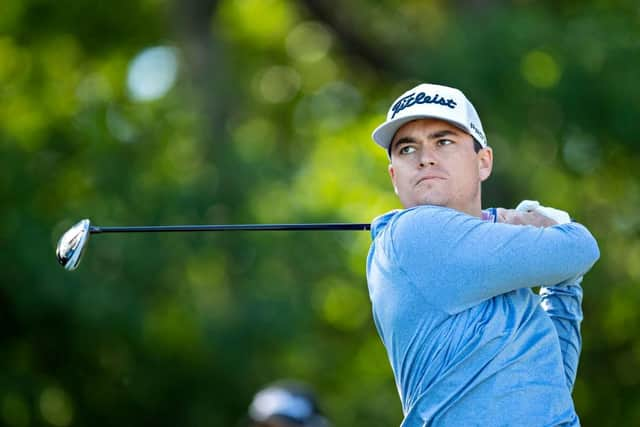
{"points": [[490, 214]]}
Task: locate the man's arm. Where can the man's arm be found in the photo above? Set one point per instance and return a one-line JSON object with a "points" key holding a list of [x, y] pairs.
{"points": [[458, 261], [563, 304]]}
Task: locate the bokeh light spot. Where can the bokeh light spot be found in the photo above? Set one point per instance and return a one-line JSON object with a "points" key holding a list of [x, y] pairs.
{"points": [[581, 153], [540, 69], [279, 84], [56, 407], [119, 126], [255, 138], [152, 73], [317, 74], [308, 42]]}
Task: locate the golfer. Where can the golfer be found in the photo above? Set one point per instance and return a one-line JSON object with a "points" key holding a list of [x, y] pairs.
{"points": [[468, 341]]}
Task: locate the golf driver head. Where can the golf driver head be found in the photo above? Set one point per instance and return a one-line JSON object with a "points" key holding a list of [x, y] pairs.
{"points": [[71, 245]]}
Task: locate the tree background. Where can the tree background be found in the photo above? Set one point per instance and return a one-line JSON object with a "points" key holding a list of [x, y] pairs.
{"points": [[240, 111]]}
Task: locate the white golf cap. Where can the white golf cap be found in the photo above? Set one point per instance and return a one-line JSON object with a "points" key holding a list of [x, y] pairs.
{"points": [[429, 101]]}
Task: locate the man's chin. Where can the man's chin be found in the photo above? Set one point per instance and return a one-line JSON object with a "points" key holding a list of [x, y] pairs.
{"points": [[433, 200], [429, 201]]}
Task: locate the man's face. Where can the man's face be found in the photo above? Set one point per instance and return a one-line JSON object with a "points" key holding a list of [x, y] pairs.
{"points": [[434, 163]]}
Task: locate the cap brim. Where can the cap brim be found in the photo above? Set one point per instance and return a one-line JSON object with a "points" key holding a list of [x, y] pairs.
{"points": [[383, 134]]}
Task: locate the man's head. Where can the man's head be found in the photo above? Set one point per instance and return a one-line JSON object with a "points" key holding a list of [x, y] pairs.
{"points": [[437, 148]]}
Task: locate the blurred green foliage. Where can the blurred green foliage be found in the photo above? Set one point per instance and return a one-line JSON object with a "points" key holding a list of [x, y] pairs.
{"points": [[261, 111]]}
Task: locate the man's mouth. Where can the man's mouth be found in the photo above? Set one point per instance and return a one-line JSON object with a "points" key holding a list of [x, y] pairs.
{"points": [[429, 178]]}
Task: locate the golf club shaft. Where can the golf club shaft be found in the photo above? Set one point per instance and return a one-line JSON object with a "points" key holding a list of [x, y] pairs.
{"points": [[94, 229]]}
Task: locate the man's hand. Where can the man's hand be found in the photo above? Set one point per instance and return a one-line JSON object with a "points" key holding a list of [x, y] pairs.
{"points": [[561, 217], [531, 212], [535, 218]]}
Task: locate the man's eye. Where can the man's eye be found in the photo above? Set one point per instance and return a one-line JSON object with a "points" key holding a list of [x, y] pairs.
{"points": [[407, 149], [445, 142]]}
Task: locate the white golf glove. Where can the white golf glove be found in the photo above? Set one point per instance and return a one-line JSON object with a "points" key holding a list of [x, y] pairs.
{"points": [[561, 217]]}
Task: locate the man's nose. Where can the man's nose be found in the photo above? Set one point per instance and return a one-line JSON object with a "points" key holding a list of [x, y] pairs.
{"points": [[427, 157]]}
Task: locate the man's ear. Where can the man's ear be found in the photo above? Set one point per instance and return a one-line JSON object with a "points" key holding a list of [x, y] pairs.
{"points": [[485, 163], [392, 174]]}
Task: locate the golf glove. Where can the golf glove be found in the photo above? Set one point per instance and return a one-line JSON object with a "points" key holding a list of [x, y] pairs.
{"points": [[561, 217]]}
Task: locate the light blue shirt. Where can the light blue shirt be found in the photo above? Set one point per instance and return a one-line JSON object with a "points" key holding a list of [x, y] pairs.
{"points": [[468, 341]]}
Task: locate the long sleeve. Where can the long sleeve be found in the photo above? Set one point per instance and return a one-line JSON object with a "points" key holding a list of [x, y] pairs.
{"points": [[468, 341], [563, 304], [478, 260]]}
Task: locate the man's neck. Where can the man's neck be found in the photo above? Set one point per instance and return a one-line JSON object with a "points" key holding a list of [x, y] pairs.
{"points": [[474, 210]]}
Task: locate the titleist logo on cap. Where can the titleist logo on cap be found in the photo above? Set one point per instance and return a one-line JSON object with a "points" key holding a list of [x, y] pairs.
{"points": [[476, 130], [421, 98]]}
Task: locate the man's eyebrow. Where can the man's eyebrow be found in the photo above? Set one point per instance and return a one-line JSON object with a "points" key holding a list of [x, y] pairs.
{"points": [[434, 135], [403, 140], [441, 133]]}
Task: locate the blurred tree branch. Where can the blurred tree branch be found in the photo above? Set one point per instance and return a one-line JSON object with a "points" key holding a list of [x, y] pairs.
{"points": [[205, 59], [354, 43], [211, 87]]}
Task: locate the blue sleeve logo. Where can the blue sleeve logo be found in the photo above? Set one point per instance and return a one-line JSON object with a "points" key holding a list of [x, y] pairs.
{"points": [[421, 98]]}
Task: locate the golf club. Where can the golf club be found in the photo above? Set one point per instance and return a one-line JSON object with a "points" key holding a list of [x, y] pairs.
{"points": [[73, 242]]}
